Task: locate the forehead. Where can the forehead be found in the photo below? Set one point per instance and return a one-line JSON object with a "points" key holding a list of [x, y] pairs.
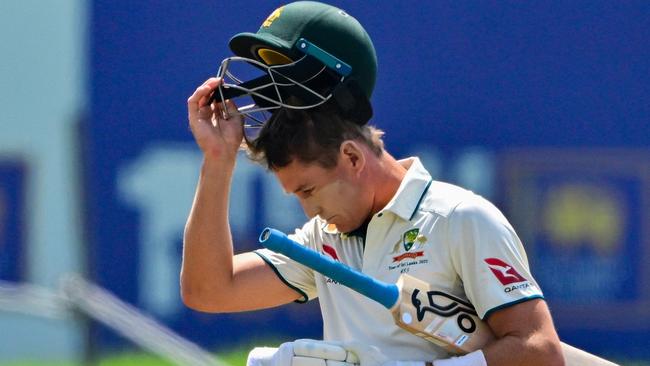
{"points": [[298, 175]]}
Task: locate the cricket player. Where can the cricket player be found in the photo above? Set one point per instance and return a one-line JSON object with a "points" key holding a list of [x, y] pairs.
{"points": [[383, 216]]}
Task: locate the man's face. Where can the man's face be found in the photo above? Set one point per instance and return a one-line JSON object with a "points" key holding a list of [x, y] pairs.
{"points": [[337, 195]]}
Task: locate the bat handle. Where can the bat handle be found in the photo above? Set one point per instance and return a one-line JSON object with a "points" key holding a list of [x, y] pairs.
{"points": [[384, 293]]}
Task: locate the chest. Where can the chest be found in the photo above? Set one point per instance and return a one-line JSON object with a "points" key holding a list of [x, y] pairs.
{"points": [[393, 247]]}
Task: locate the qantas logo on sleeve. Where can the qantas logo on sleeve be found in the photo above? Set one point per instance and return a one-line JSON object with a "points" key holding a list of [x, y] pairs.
{"points": [[504, 272]]}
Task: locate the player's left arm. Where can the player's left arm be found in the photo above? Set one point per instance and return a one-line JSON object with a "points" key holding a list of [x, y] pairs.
{"points": [[489, 257], [525, 336]]}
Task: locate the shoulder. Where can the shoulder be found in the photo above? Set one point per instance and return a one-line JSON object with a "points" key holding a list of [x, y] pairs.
{"points": [[444, 198], [479, 212], [461, 208]]}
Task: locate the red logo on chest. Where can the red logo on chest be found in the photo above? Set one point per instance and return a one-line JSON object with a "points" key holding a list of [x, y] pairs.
{"points": [[330, 251]]}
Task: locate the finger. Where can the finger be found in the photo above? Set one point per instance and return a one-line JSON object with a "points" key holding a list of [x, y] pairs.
{"points": [[317, 349], [206, 99], [230, 109], [198, 98], [210, 80], [213, 84], [205, 112], [231, 106]]}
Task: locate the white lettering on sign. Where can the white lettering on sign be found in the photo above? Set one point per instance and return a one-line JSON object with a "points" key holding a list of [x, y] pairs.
{"points": [[160, 185]]}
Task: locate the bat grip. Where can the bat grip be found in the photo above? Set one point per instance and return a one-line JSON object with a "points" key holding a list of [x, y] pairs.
{"points": [[384, 293]]}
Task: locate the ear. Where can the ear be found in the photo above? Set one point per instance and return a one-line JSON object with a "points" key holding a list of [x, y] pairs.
{"points": [[352, 156]]}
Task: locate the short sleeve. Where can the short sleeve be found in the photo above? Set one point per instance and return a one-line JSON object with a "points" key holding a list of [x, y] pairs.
{"points": [[295, 275], [489, 258]]}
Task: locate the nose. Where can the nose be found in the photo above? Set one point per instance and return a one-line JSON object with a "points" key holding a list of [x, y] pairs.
{"points": [[310, 209]]}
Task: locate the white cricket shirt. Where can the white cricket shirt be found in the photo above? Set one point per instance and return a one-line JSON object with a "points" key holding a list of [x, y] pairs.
{"points": [[437, 232]]}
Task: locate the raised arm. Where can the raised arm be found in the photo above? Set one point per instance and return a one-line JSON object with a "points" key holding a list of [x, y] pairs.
{"points": [[212, 278]]}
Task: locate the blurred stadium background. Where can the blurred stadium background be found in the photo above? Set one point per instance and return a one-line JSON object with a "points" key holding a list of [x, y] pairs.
{"points": [[543, 107]]}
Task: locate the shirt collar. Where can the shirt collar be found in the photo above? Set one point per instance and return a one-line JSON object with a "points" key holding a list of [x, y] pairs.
{"points": [[411, 190], [406, 200]]}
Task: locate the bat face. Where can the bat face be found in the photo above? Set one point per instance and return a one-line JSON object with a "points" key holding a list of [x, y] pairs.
{"points": [[463, 311], [438, 317]]}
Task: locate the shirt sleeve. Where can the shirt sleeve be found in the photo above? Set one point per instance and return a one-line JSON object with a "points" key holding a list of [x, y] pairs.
{"points": [[489, 258], [295, 275]]}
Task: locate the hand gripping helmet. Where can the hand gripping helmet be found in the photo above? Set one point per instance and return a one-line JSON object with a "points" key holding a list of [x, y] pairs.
{"points": [[305, 54]]}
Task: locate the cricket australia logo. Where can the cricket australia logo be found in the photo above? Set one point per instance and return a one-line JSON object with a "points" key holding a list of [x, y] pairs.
{"points": [[411, 239], [446, 306], [408, 251]]}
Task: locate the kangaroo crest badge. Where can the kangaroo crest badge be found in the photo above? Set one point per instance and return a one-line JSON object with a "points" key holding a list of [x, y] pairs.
{"points": [[409, 237]]}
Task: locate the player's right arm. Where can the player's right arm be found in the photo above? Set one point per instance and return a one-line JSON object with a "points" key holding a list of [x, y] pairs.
{"points": [[213, 279]]}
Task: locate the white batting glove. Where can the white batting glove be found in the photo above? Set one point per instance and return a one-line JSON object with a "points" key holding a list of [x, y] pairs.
{"points": [[372, 356], [308, 352], [302, 352], [476, 358], [268, 356]]}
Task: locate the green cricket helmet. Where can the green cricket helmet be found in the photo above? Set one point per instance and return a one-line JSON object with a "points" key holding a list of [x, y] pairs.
{"points": [[305, 54]]}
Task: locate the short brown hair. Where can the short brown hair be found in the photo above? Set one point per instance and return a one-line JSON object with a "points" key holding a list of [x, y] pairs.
{"points": [[313, 135]]}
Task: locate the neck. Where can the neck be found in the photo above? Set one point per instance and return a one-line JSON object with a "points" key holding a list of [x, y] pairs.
{"points": [[386, 178]]}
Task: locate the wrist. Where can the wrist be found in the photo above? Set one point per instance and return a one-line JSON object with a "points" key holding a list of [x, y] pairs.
{"points": [[218, 163], [220, 154]]}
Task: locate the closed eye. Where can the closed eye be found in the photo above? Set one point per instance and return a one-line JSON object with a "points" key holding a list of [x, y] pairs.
{"points": [[308, 191], [305, 193]]}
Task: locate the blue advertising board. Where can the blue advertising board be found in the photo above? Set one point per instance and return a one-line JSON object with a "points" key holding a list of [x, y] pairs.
{"points": [[583, 216], [13, 181], [452, 76]]}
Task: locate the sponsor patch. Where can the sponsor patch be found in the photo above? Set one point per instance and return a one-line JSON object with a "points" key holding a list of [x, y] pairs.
{"points": [[409, 237], [329, 250], [408, 251], [504, 272]]}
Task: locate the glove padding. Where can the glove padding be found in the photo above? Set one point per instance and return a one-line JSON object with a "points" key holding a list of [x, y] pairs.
{"points": [[309, 352], [330, 351], [302, 352], [372, 356]]}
